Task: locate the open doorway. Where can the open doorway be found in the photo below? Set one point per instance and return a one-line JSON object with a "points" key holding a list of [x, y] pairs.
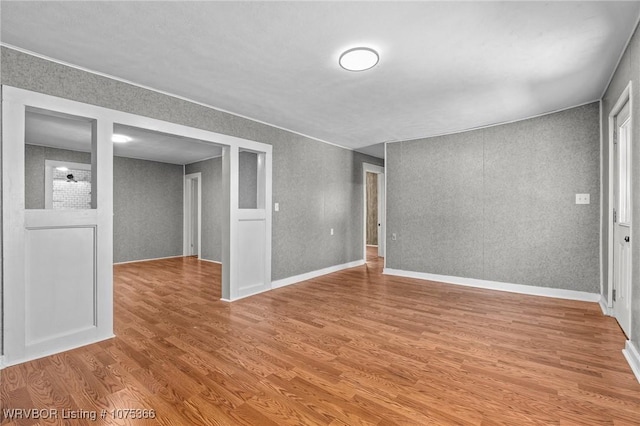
{"points": [[374, 212], [373, 223], [184, 190], [116, 195], [158, 207]]}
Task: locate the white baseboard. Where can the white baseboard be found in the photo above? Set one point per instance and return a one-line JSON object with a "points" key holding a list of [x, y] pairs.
{"points": [[632, 355], [604, 305], [302, 277], [147, 260], [210, 261], [54, 351], [314, 274], [494, 285]]}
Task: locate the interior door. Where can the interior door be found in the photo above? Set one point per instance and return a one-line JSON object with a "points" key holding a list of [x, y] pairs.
{"points": [[381, 215], [58, 255], [622, 220]]}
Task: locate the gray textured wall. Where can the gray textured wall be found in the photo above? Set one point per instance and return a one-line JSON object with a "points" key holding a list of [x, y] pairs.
{"points": [[628, 70], [211, 233], [34, 170], [147, 209], [310, 205], [499, 203]]}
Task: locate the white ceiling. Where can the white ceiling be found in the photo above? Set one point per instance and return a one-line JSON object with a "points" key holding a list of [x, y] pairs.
{"points": [[444, 66], [66, 132]]}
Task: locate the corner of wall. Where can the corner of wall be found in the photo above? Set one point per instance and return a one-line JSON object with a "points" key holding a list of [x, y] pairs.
{"points": [[632, 356]]}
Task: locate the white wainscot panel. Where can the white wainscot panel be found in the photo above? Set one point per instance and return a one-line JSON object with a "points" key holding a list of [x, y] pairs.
{"points": [[60, 282], [251, 261]]}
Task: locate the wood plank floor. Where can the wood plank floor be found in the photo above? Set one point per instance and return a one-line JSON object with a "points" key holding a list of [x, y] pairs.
{"points": [[350, 348]]}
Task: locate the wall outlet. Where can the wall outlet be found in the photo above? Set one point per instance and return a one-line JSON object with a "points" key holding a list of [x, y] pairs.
{"points": [[331, 231], [276, 207], [582, 199], [394, 236]]}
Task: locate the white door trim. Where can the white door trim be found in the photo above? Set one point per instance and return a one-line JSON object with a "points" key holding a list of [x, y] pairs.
{"points": [[382, 215], [188, 214], [625, 97], [382, 202]]}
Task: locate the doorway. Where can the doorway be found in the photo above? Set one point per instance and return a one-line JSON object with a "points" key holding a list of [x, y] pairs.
{"points": [[620, 199], [193, 215], [57, 238], [374, 209]]}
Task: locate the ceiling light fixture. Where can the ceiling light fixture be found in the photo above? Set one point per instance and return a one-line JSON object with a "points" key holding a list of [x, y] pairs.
{"points": [[359, 59], [62, 169], [120, 138]]}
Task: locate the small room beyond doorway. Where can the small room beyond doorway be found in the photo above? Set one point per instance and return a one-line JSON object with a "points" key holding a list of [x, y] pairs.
{"points": [[374, 231]]}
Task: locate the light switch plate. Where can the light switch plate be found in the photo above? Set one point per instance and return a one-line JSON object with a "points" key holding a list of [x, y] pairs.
{"points": [[582, 199], [276, 207]]}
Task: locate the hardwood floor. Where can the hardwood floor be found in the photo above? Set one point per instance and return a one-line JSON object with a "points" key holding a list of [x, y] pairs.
{"points": [[351, 348]]}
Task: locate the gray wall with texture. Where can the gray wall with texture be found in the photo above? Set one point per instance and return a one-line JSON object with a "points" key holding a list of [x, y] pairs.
{"points": [[147, 209], [499, 203], [628, 70], [310, 206]]}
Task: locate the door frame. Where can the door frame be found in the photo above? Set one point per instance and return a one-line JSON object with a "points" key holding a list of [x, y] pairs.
{"points": [[625, 96], [188, 213], [382, 202]]}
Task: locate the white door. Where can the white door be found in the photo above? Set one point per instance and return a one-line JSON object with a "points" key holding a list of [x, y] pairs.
{"points": [[622, 220], [57, 256]]}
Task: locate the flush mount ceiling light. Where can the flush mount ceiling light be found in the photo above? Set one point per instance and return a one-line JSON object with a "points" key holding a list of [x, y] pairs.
{"points": [[62, 169], [359, 59], [120, 138]]}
